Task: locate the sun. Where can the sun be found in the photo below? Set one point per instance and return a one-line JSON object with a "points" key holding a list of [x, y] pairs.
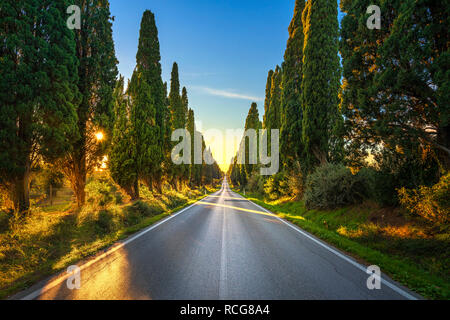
{"points": [[99, 135]]}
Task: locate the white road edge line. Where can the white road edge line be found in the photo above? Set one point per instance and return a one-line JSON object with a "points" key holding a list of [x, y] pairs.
{"points": [[33, 295], [354, 263]]}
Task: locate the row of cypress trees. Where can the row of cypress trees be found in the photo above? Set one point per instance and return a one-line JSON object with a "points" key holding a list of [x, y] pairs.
{"points": [[55, 91], [59, 90], [302, 95], [391, 102], [146, 116]]}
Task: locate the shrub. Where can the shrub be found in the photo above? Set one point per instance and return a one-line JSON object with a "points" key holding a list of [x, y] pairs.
{"points": [[134, 213], [256, 183], [332, 186], [102, 193], [4, 221], [105, 222], [430, 203], [276, 186]]}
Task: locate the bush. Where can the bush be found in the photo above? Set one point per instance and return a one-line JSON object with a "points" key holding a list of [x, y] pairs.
{"points": [[139, 210], [430, 203], [105, 222], [332, 186], [4, 221], [101, 193], [276, 186], [256, 184]]}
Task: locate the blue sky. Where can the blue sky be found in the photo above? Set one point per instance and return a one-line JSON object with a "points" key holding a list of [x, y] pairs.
{"points": [[224, 49]]}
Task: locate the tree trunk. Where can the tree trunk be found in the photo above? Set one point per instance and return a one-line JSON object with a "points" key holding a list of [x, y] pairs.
{"points": [[136, 190], [21, 192], [443, 138], [78, 179]]}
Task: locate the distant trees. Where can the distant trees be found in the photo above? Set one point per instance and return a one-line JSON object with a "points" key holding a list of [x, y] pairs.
{"points": [[177, 107], [145, 118], [38, 92]]}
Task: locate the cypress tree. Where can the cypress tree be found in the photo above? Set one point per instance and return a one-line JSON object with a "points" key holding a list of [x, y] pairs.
{"points": [[177, 107], [178, 121], [267, 97], [38, 93], [121, 161], [252, 122], [98, 72], [273, 116], [291, 119], [185, 101], [148, 111], [321, 76], [190, 126]]}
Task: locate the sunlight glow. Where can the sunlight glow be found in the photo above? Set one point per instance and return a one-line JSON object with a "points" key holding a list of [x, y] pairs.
{"points": [[99, 135]]}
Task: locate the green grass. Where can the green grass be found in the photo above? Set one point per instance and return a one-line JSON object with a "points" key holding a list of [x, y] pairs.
{"points": [[52, 238], [403, 251]]}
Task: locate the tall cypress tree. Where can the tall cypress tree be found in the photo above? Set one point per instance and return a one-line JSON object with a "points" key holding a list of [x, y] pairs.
{"points": [[98, 72], [321, 76], [38, 93], [178, 121], [273, 116], [185, 101], [291, 119], [252, 122], [121, 160], [267, 97], [148, 110]]}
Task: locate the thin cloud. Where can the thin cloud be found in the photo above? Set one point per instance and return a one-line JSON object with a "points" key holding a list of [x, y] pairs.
{"points": [[229, 94]]}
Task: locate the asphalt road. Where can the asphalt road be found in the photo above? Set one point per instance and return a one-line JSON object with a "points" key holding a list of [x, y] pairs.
{"points": [[223, 247]]}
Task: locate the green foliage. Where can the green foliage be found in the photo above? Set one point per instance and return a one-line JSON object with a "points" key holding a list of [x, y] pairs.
{"points": [[97, 72], [4, 221], [333, 186], [276, 186], [177, 108], [430, 203], [102, 193], [139, 132], [138, 210], [104, 222], [291, 117], [272, 118], [252, 122], [397, 78], [267, 97], [256, 184], [49, 176], [38, 94], [121, 161], [320, 84]]}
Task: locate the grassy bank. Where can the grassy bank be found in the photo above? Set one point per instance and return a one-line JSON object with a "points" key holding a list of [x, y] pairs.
{"points": [[54, 237], [401, 247]]}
